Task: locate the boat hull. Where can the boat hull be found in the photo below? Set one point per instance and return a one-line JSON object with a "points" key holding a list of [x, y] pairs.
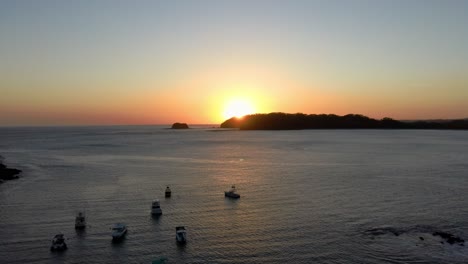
{"points": [[58, 247], [181, 238], [118, 236], [80, 225], [231, 195], [156, 211]]}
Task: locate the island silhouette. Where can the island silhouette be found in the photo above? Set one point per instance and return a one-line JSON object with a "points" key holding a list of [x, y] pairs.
{"points": [[179, 126], [285, 121]]}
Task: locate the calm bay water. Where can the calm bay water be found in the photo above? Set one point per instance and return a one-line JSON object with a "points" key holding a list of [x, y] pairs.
{"points": [[311, 196]]}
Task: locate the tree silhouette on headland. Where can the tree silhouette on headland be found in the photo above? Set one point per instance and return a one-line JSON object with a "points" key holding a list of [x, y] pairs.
{"points": [[284, 121]]}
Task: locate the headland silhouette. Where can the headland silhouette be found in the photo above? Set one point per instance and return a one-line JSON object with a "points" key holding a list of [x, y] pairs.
{"points": [[285, 121]]}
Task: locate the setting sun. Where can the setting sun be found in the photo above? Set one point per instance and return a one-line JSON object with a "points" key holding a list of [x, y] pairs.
{"points": [[238, 108]]}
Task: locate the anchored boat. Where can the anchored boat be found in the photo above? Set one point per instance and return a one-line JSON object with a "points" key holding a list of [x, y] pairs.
{"points": [[168, 192], [181, 234], [232, 193], [58, 243], [118, 231], [80, 221], [156, 208]]}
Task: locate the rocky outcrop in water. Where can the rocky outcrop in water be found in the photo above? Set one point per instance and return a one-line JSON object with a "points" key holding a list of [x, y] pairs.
{"points": [[180, 126], [418, 229], [7, 173], [449, 238]]}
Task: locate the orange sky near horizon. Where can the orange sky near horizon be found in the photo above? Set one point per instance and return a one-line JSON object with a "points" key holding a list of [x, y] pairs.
{"points": [[99, 63], [205, 103], [202, 96]]}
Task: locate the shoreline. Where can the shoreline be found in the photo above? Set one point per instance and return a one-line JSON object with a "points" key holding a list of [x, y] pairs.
{"points": [[7, 173]]}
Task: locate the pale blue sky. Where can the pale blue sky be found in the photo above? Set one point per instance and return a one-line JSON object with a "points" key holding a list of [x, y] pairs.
{"points": [[80, 49]]}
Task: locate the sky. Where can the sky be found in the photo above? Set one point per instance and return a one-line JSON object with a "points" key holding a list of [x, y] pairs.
{"points": [[201, 62]]}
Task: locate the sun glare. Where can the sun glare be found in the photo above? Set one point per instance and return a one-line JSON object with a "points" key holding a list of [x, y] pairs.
{"points": [[238, 108]]}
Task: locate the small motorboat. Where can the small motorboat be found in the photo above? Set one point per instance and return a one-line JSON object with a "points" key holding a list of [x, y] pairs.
{"points": [[168, 192], [232, 193], [181, 234], [156, 208], [58, 243], [80, 221], [119, 231]]}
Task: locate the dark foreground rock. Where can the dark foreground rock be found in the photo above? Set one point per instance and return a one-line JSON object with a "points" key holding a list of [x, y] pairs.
{"points": [[180, 126], [8, 173], [449, 238]]}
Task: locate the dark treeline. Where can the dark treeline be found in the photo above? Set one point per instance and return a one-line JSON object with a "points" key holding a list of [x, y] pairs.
{"points": [[283, 121]]}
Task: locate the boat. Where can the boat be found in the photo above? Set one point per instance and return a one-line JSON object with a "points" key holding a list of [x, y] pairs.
{"points": [[232, 193], [156, 208], [80, 221], [58, 243], [181, 234], [119, 231], [168, 192]]}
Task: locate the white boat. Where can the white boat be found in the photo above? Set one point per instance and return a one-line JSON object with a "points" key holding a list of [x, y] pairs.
{"points": [[168, 192], [181, 234], [80, 221], [232, 193], [119, 231], [156, 208], [58, 243]]}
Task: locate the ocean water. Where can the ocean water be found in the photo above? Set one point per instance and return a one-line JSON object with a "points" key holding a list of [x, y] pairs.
{"points": [[311, 196]]}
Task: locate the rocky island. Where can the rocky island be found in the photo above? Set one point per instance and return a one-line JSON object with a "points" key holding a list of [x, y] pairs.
{"points": [[284, 121], [180, 126]]}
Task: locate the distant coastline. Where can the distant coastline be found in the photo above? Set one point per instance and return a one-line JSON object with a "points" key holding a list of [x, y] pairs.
{"points": [[285, 121]]}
